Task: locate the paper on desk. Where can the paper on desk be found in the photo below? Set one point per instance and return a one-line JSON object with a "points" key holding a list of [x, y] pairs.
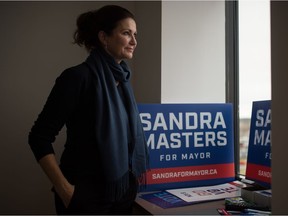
{"points": [[164, 199], [215, 192]]}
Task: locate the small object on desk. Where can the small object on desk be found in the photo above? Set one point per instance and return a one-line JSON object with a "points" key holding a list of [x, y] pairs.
{"points": [[226, 212], [247, 193], [240, 204], [263, 197], [258, 195], [255, 212], [237, 204]]}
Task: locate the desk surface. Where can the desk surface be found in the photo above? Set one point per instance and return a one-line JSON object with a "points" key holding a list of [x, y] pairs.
{"points": [[205, 208]]}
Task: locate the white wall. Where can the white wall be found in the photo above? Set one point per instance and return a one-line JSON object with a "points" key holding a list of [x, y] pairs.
{"points": [[193, 51]]}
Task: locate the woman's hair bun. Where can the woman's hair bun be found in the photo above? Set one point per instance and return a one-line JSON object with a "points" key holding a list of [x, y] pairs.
{"points": [[104, 19]]}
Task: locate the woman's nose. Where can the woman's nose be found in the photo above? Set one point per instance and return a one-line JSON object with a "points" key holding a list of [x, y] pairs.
{"points": [[133, 40]]}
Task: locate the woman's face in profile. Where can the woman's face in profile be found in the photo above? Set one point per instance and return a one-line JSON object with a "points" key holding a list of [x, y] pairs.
{"points": [[122, 42]]}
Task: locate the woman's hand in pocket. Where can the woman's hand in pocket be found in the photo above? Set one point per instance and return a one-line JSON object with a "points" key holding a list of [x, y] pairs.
{"points": [[61, 185], [66, 193]]}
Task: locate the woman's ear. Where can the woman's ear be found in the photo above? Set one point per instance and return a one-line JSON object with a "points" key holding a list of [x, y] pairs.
{"points": [[102, 38]]}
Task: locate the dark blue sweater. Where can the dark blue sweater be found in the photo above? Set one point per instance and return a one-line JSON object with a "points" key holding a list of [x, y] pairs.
{"points": [[70, 103]]}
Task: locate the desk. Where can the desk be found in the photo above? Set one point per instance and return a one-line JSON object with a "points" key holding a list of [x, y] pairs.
{"points": [[206, 208]]}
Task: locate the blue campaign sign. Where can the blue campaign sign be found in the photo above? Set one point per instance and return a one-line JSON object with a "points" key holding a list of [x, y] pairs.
{"points": [[259, 149], [189, 144]]}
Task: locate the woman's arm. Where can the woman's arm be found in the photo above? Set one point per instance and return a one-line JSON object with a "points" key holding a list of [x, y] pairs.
{"points": [[61, 104], [61, 185]]}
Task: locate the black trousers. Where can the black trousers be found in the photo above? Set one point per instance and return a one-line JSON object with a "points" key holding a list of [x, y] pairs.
{"points": [[88, 199]]}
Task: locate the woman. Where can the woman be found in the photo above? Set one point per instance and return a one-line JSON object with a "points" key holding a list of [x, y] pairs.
{"points": [[105, 155]]}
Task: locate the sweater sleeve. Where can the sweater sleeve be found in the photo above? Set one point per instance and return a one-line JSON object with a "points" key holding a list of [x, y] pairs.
{"points": [[60, 105]]}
